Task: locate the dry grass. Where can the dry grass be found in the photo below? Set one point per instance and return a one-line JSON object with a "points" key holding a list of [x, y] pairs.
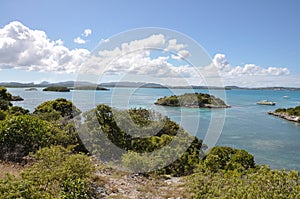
{"points": [[9, 168], [121, 184]]}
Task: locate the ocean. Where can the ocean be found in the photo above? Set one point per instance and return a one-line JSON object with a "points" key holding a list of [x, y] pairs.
{"points": [[246, 125]]}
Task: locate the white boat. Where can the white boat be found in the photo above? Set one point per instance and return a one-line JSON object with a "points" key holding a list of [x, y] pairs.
{"points": [[285, 96], [266, 102]]}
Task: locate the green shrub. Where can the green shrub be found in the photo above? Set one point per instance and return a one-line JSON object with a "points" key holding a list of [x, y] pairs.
{"points": [[4, 95], [2, 115], [4, 105], [56, 109], [57, 172], [109, 133], [260, 183], [227, 158], [17, 110], [22, 134]]}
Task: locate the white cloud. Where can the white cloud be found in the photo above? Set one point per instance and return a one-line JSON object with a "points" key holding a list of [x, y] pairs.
{"points": [[78, 40], [226, 69], [87, 32], [173, 46], [134, 57], [182, 54], [251, 75], [27, 49]]}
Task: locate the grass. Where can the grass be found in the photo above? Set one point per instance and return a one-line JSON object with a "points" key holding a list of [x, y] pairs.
{"points": [[10, 168]]}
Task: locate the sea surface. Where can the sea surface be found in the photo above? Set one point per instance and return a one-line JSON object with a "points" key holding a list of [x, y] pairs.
{"points": [[272, 140]]}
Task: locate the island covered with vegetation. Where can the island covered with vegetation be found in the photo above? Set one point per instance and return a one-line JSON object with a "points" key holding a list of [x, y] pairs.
{"points": [[291, 114], [44, 155], [193, 100], [97, 88], [57, 89]]}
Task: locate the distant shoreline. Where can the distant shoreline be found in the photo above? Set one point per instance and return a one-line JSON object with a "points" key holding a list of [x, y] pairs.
{"points": [[70, 84]]}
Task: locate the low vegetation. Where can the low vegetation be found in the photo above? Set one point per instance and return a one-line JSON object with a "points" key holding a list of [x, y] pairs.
{"points": [[42, 157], [289, 111], [97, 88], [57, 89], [195, 100]]}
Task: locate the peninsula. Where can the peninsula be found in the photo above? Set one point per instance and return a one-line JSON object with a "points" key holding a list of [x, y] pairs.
{"points": [[192, 100], [290, 114]]}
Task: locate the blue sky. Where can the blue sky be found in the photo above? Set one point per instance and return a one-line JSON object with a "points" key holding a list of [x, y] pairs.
{"points": [[261, 33]]}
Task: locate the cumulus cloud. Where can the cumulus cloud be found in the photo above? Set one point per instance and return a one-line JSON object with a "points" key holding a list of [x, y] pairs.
{"points": [[222, 64], [251, 75], [135, 57], [78, 40], [27, 49], [173, 46], [87, 32]]}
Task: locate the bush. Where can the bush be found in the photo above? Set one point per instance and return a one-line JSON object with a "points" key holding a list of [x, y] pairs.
{"points": [[261, 183], [17, 110], [4, 105], [56, 173], [4, 95], [227, 158], [22, 134], [109, 134], [56, 109]]}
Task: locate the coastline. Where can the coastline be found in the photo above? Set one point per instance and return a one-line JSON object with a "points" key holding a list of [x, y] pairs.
{"points": [[286, 116]]}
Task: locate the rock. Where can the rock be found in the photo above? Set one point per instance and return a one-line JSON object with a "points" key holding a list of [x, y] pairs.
{"points": [[16, 98], [285, 116]]}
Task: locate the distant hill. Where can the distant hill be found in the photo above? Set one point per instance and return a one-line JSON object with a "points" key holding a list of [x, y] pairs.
{"points": [[132, 84], [71, 84], [47, 84]]}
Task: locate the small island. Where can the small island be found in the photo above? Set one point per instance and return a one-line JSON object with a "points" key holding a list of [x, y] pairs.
{"points": [[57, 89], [192, 100], [290, 114], [98, 88], [31, 89]]}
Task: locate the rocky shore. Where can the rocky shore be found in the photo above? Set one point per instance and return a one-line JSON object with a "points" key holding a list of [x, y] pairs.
{"points": [[285, 116]]}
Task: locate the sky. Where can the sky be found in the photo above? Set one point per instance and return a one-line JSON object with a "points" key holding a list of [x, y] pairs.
{"points": [[251, 43]]}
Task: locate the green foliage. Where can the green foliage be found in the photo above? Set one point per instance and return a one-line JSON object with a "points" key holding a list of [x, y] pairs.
{"points": [[110, 133], [55, 109], [22, 134], [260, 183], [4, 95], [2, 115], [57, 89], [56, 173], [289, 111], [17, 110], [192, 100], [227, 158], [5, 98], [97, 88], [4, 105]]}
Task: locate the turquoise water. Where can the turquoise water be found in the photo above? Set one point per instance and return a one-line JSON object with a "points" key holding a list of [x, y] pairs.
{"points": [[273, 141]]}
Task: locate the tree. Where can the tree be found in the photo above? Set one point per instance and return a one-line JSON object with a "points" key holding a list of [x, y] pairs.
{"points": [[20, 135], [5, 98], [57, 109], [110, 133]]}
